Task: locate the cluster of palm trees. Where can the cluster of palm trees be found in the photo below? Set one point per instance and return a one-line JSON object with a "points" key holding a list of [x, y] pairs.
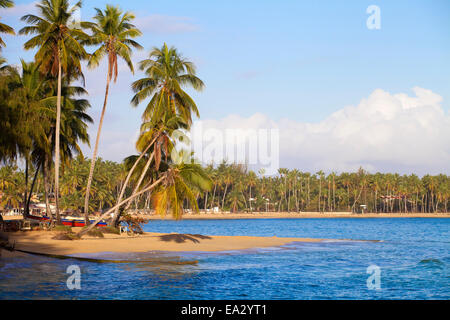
{"points": [[236, 189], [73, 181], [43, 119]]}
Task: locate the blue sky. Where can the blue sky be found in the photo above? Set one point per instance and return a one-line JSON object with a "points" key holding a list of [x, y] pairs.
{"points": [[296, 60]]}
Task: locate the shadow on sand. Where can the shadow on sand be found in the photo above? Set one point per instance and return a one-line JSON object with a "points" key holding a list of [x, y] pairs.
{"points": [[6, 244], [181, 238]]}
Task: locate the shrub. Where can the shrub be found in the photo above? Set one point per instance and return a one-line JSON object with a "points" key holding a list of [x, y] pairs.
{"points": [[109, 230], [95, 233], [62, 228], [66, 236], [134, 223]]}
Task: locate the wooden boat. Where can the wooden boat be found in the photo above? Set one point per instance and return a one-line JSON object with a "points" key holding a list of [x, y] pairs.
{"points": [[67, 221]]}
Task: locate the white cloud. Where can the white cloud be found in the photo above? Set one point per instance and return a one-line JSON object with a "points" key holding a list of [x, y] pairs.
{"points": [[19, 10], [385, 132], [115, 144], [163, 24]]}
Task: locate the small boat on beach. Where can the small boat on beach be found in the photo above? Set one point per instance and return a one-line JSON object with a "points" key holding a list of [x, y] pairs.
{"points": [[67, 221]]}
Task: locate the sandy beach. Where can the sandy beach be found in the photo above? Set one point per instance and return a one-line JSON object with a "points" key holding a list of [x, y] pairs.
{"points": [[42, 242]]}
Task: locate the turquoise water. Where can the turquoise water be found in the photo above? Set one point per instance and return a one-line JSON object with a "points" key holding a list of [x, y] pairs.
{"points": [[413, 258]]}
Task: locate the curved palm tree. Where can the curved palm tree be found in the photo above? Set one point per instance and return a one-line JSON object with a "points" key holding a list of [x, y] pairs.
{"points": [[156, 133], [172, 187], [3, 27], [166, 73], [114, 32], [59, 50], [179, 184]]}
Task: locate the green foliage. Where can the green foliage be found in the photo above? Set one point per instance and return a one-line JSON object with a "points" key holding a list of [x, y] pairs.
{"points": [[106, 181], [134, 223], [110, 230], [56, 39], [28, 113], [66, 236], [95, 233], [3, 27], [114, 32], [295, 191], [62, 228], [167, 72]]}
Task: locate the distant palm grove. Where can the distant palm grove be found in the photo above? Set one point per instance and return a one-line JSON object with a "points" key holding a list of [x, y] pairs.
{"points": [[235, 189], [44, 119]]}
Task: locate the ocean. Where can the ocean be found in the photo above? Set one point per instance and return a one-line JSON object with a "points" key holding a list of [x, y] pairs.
{"points": [[410, 260]]}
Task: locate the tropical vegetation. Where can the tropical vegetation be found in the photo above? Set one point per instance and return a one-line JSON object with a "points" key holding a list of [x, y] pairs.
{"points": [[235, 189], [44, 120]]}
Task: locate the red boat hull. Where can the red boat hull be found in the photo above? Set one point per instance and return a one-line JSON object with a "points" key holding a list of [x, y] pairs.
{"points": [[67, 222]]}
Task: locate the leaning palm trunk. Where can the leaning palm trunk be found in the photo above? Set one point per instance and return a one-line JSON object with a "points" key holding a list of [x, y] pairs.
{"points": [[103, 216], [57, 146], [94, 156], [141, 178], [33, 183], [115, 217], [224, 195]]}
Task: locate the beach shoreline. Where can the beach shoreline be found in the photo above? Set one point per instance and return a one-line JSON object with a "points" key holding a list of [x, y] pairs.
{"points": [[295, 215], [42, 242], [277, 215]]}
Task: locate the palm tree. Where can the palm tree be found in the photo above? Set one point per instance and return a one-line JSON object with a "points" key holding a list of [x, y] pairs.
{"points": [[3, 27], [228, 180], [59, 50], [179, 184], [166, 73], [114, 32], [74, 126], [251, 182], [172, 188], [31, 93], [235, 198], [156, 133], [13, 138]]}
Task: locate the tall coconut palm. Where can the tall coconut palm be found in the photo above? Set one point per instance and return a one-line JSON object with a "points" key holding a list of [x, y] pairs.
{"points": [[3, 27], [59, 50], [114, 32], [167, 72], [74, 126]]}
